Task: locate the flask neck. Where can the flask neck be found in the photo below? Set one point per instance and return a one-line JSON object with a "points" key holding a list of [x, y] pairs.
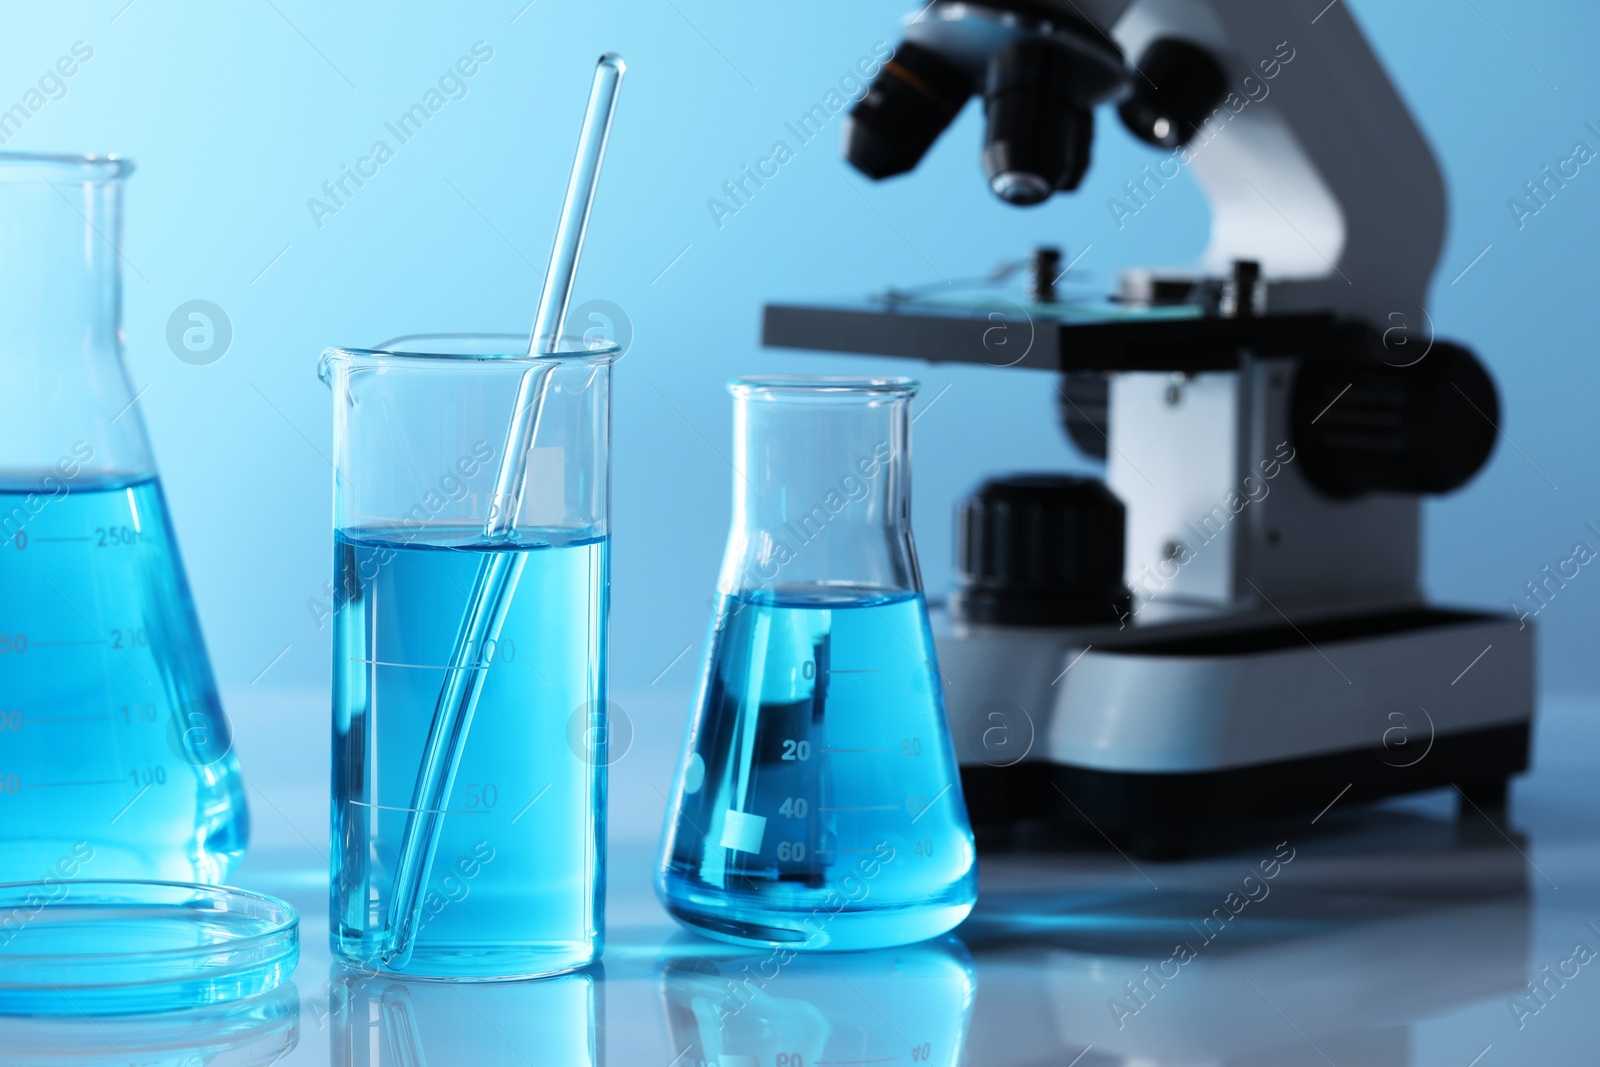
{"points": [[60, 286], [821, 491], [68, 393]]}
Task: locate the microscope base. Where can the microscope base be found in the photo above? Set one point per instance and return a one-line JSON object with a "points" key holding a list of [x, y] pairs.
{"points": [[1162, 816], [1178, 736]]}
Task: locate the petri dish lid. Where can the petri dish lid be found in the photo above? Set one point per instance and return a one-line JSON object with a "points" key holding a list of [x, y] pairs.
{"points": [[124, 947]]}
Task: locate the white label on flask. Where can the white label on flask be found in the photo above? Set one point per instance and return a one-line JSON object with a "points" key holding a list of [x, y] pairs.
{"points": [[742, 831]]}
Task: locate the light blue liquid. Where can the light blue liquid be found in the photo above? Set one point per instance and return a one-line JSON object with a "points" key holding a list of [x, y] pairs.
{"points": [[818, 803], [115, 757], [517, 880]]}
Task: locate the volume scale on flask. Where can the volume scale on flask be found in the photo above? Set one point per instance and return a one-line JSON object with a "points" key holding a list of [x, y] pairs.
{"points": [[111, 730]]}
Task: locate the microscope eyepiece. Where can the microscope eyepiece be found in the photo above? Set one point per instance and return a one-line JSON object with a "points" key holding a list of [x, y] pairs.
{"points": [[914, 97]]}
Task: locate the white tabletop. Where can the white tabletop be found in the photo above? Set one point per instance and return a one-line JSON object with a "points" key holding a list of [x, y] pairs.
{"points": [[1394, 935]]}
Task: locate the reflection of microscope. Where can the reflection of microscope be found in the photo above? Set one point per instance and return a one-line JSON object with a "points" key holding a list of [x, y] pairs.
{"points": [[1248, 637], [1374, 925]]}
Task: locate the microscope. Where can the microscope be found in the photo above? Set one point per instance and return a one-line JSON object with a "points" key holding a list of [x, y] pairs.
{"points": [[1228, 628]]}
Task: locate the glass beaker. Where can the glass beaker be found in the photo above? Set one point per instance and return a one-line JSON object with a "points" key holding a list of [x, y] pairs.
{"points": [[817, 802], [471, 573], [115, 756]]}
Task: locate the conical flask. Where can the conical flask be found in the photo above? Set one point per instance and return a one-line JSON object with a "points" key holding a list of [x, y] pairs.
{"points": [[817, 803], [115, 756]]}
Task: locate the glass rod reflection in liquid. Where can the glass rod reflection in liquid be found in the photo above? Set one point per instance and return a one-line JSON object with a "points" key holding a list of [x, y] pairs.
{"points": [[818, 802], [515, 886]]}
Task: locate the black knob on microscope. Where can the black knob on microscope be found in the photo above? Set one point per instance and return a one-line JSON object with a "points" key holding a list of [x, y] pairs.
{"points": [[1180, 85], [1363, 425], [1041, 550]]}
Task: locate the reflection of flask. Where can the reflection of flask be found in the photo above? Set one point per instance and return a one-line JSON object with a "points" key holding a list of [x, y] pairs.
{"points": [[388, 1022], [817, 804], [902, 1005], [115, 757]]}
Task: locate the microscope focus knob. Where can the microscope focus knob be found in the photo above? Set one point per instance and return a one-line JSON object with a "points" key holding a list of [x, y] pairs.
{"points": [[1041, 550], [1364, 426]]}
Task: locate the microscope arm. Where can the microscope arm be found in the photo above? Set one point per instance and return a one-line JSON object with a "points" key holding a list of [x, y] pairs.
{"points": [[1319, 173]]}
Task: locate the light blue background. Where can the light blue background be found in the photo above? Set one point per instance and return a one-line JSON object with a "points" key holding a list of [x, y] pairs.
{"points": [[237, 113]]}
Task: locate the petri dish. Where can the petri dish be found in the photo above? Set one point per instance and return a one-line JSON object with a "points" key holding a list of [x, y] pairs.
{"points": [[124, 947]]}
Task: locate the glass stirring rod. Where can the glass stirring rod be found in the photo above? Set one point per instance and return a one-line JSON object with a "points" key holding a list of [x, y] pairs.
{"points": [[498, 573]]}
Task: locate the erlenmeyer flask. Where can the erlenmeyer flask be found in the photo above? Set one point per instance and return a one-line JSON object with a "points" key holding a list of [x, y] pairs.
{"points": [[115, 757], [817, 803]]}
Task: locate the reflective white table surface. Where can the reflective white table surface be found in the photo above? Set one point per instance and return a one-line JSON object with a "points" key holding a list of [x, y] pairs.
{"points": [[1394, 935]]}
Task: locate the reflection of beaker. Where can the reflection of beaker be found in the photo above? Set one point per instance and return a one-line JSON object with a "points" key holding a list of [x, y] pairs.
{"points": [[386, 1022], [902, 1005], [115, 757], [817, 803], [256, 1032], [469, 656]]}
